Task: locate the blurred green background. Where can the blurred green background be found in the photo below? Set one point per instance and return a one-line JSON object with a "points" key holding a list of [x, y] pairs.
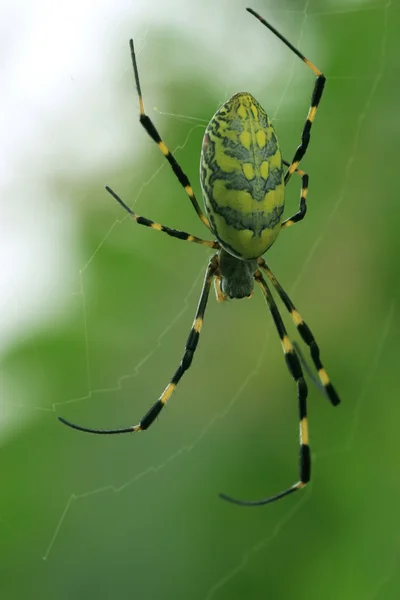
{"points": [[84, 516]]}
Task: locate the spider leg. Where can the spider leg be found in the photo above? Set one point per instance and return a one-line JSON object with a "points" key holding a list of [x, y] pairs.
{"points": [[315, 100], [308, 370], [305, 333], [190, 348], [181, 235], [301, 213], [296, 372], [153, 133]]}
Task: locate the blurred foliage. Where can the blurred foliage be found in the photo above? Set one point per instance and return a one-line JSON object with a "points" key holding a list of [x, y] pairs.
{"points": [[139, 516]]}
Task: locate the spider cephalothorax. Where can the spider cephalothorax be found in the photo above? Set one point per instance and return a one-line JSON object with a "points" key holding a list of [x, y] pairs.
{"points": [[237, 275]]}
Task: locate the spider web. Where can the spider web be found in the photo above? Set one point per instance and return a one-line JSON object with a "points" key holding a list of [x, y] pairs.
{"points": [[78, 502]]}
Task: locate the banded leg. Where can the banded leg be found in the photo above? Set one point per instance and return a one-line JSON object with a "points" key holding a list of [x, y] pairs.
{"points": [[307, 368], [315, 99], [296, 372], [190, 348], [305, 333], [301, 213], [181, 235], [153, 133]]}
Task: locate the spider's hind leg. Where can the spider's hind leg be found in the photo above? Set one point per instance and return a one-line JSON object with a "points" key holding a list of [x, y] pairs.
{"points": [[305, 334]]}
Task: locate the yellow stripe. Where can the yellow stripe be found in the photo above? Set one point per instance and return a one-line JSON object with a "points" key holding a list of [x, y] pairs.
{"points": [[312, 112], [324, 376], [141, 105], [189, 190], [293, 167], [204, 220], [287, 346], [197, 324], [156, 226], [304, 431], [297, 317], [314, 69], [167, 393], [163, 148], [287, 224]]}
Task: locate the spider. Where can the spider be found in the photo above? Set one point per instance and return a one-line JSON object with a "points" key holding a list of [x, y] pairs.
{"points": [[243, 184]]}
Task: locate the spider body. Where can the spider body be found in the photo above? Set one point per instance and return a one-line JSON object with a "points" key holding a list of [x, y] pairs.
{"points": [[243, 185], [241, 177]]}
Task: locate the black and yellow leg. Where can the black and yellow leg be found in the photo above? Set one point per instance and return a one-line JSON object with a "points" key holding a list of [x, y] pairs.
{"points": [[301, 213], [305, 333], [190, 347], [310, 372], [153, 133], [315, 100], [296, 372], [181, 235]]}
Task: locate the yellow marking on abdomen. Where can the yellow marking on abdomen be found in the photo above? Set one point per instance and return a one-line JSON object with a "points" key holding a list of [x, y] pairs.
{"points": [[245, 139], [261, 138], [242, 112], [254, 111], [248, 171], [264, 169], [324, 376], [304, 431]]}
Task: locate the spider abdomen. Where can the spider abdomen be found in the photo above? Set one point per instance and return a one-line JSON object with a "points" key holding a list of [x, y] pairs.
{"points": [[242, 177]]}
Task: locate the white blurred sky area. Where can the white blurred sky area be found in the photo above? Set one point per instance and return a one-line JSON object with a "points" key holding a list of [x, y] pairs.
{"points": [[60, 62]]}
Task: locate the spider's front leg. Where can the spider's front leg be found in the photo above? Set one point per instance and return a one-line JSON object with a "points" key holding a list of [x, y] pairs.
{"points": [[315, 100], [301, 213], [176, 233]]}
